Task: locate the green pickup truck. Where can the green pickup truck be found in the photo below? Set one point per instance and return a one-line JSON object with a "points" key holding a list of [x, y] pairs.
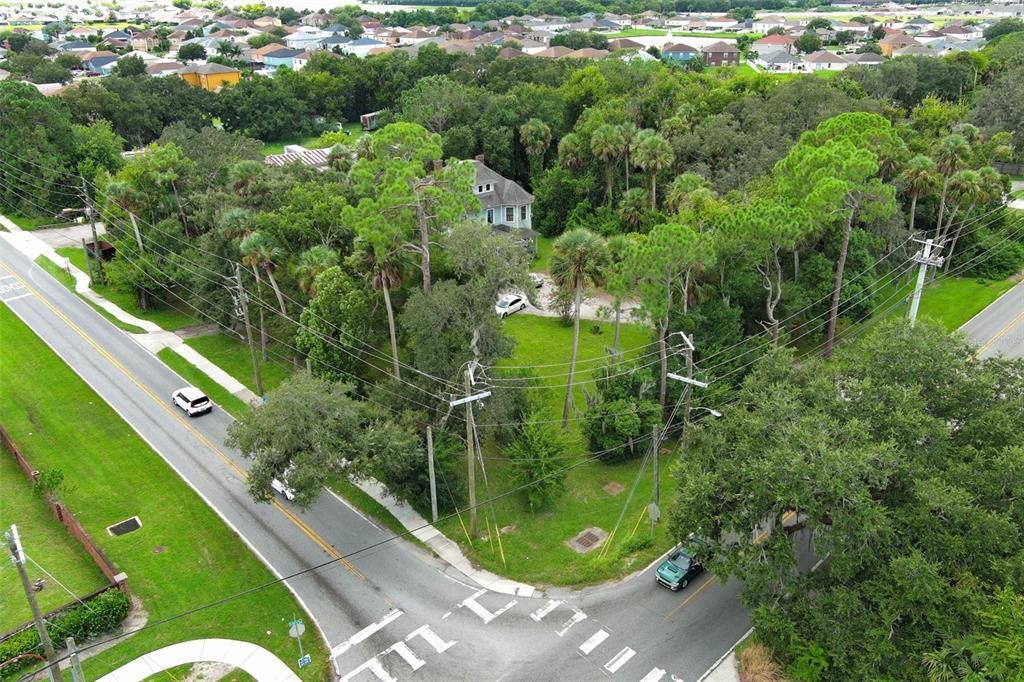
{"points": [[678, 569]]}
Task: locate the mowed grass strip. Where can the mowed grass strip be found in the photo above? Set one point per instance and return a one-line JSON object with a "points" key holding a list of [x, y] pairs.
{"points": [[534, 549], [184, 556], [194, 377], [47, 543], [231, 354]]}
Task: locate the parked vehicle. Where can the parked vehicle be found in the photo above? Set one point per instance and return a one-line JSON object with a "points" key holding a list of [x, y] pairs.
{"points": [[508, 304], [537, 280], [193, 401]]}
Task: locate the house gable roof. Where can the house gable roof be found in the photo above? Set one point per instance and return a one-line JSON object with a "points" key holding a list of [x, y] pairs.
{"points": [[720, 47], [681, 48], [504, 192]]}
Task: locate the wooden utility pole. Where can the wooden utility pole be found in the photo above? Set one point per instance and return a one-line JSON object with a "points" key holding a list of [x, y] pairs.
{"points": [[470, 454], [18, 556], [242, 300], [430, 470], [97, 252]]}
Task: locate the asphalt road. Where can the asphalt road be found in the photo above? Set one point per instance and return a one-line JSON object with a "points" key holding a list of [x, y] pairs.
{"points": [[392, 610], [999, 328]]}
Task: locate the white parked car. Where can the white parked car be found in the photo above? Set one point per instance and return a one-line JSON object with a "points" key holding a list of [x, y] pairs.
{"points": [[508, 304], [281, 487], [193, 401]]}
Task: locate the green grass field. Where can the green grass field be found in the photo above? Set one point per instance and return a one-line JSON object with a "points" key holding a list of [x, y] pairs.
{"points": [[307, 141], [46, 543], [542, 259], [191, 374], [62, 276], [162, 314], [232, 355], [535, 550], [28, 224], [183, 557]]}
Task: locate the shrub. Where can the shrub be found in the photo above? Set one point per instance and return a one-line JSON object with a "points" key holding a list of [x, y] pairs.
{"points": [[756, 664], [83, 622], [635, 544]]}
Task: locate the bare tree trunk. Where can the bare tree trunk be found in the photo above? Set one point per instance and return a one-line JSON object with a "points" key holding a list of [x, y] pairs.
{"points": [[913, 211], [956, 236], [572, 358], [837, 287], [663, 359], [626, 156], [263, 324], [686, 291], [654, 194], [942, 203], [618, 323], [774, 289], [608, 182], [277, 291], [391, 332], [796, 263], [421, 217]]}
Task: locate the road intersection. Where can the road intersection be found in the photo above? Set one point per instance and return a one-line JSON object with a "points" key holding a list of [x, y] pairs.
{"points": [[391, 610]]}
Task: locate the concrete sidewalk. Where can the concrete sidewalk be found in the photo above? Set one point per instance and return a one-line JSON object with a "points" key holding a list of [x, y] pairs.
{"points": [[156, 339], [262, 665]]}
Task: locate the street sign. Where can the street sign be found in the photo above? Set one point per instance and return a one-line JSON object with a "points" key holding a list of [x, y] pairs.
{"points": [[654, 512], [305, 660], [296, 628]]}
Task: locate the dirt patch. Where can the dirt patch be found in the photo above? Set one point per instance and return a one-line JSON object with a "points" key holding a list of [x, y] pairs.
{"points": [[614, 488]]}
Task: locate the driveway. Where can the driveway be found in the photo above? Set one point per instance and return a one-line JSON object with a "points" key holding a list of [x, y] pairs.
{"points": [[68, 237], [597, 306]]}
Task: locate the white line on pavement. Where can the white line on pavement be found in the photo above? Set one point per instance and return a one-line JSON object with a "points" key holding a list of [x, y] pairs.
{"points": [[431, 638], [375, 667], [577, 616], [392, 616], [653, 676], [552, 604], [593, 642], [15, 298], [480, 610], [620, 659], [407, 654]]}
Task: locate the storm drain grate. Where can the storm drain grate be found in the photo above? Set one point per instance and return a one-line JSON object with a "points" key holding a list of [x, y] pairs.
{"points": [[587, 540], [125, 527]]}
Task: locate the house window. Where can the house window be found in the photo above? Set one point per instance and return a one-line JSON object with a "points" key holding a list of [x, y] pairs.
{"points": [[490, 216], [522, 213], [510, 214], [479, 188], [488, 187]]}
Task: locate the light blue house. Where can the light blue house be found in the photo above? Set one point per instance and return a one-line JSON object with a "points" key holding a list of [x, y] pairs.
{"points": [[278, 58], [680, 52]]}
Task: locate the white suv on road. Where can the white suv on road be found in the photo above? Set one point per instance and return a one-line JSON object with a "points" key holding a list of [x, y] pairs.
{"points": [[193, 401]]}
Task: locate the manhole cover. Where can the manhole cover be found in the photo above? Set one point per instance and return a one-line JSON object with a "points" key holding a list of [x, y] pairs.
{"points": [[588, 540], [126, 526], [159, 549], [614, 488]]}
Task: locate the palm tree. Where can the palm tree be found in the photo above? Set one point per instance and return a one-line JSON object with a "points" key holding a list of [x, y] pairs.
{"points": [[385, 263], [535, 135], [607, 144], [920, 178], [965, 187], [629, 132], [570, 151], [678, 196], [578, 260], [950, 157], [653, 154], [236, 223], [364, 147], [312, 262], [618, 284], [130, 200], [260, 250], [228, 49], [243, 174], [633, 207], [340, 158], [987, 187]]}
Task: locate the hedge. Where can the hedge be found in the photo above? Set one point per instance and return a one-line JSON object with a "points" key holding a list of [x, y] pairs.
{"points": [[99, 615]]}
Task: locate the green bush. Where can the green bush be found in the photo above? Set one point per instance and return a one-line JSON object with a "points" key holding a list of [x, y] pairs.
{"points": [[83, 622], [635, 544]]}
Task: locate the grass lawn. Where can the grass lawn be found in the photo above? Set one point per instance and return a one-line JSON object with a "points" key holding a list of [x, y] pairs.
{"points": [[535, 550], [62, 276], [28, 224], [953, 301], [232, 356], [47, 543], [307, 141], [542, 259], [234, 406], [183, 557], [637, 33], [162, 314]]}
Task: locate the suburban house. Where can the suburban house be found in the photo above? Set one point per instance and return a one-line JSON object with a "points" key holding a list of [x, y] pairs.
{"points": [[823, 60], [144, 41], [502, 201], [866, 59], [210, 77], [267, 22], [624, 44], [898, 41], [177, 38], [78, 47], [774, 42], [680, 52], [721, 54], [160, 69], [962, 32], [306, 40], [768, 22], [258, 55], [917, 25], [361, 47], [284, 56], [778, 61]]}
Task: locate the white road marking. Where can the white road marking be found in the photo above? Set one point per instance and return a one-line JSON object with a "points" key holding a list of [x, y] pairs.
{"points": [[407, 654], [676, 679], [594, 642], [375, 667], [392, 616], [6, 276], [480, 610], [577, 616], [445, 616], [552, 604], [431, 638], [15, 298], [620, 659], [655, 675]]}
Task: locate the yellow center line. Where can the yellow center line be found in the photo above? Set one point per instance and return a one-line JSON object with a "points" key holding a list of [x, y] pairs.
{"points": [[1001, 333], [711, 581], [239, 471]]}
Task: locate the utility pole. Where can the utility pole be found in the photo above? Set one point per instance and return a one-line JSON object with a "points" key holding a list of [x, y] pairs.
{"points": [[430, 470], [18, 556], [468, 401], [76, 665], [242, 310], [88, 259], [656, 441], [96, 251], [925, 258]]}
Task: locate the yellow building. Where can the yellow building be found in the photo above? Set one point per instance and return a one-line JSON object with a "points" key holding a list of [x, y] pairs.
{"points": [[210, 77]]}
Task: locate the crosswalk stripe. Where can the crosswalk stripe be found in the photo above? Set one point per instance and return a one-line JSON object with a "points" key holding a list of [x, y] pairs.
{"points": [[620, 659], [594, 642]]}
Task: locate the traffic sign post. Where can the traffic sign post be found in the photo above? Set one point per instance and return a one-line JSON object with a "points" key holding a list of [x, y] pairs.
{"points": [[295, 629]]}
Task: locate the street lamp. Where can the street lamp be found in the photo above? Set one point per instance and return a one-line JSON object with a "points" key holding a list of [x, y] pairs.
{"points": [[714, 413]]}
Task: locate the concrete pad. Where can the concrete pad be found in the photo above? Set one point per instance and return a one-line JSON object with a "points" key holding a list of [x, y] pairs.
{"points": [[255, 660], [724, 672], [69, 237]]}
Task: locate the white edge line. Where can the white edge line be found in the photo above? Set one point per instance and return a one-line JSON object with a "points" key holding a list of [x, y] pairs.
{"points": [[203, 497], [1001, 297], [725, 655], [15, 298]]}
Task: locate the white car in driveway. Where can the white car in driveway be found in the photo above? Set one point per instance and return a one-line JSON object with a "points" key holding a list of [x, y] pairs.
{"points": [[193, 401], [508, 304]]}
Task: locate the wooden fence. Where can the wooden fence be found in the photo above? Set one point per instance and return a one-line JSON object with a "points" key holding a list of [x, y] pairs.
{"points": [[66, 518]]}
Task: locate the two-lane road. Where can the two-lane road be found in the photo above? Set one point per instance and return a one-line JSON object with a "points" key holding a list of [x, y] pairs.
{"points": [[391, 610], [999, 328]]}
